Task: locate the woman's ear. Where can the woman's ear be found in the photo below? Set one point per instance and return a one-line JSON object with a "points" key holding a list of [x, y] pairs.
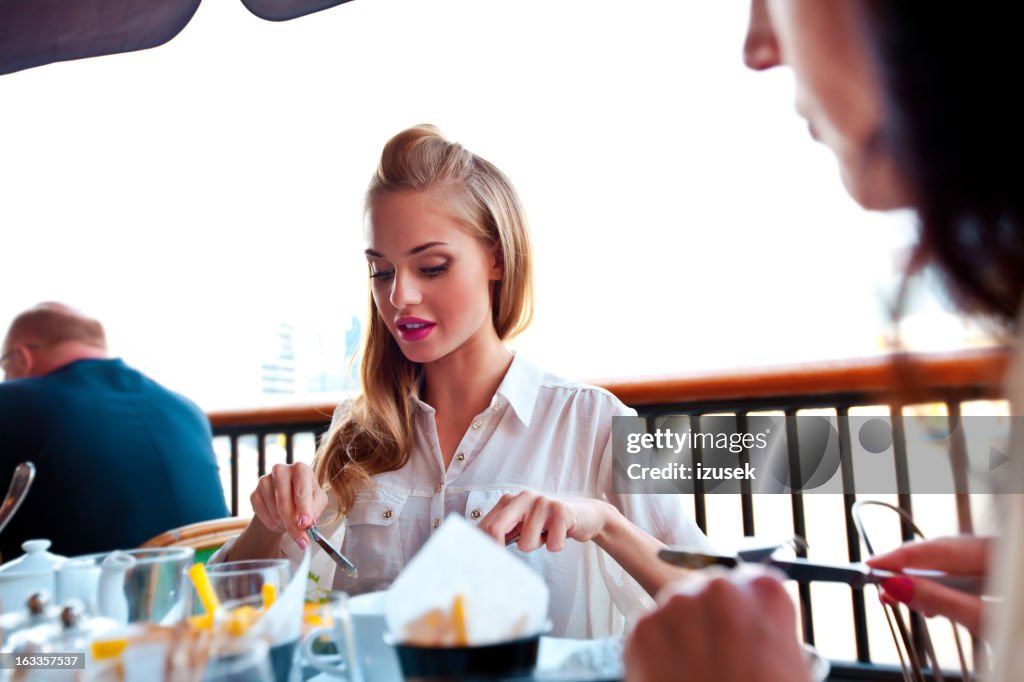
{"points": [[497, 263]]}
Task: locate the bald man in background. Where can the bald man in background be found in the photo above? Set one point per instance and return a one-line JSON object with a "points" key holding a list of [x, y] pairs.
{"points": [[119, 458]]}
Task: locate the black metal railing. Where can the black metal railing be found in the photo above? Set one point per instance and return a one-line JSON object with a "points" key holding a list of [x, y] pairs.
{"points": [[950, 380], [235, 434], [791, 406]]}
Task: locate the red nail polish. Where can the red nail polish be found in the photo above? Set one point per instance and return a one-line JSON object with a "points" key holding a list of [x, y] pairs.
{"points": [[900, 589]]}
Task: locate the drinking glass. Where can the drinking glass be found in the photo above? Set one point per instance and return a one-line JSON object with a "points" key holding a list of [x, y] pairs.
{"points": [[242, 660], [342, 630], [241, 585], [132, 586]]}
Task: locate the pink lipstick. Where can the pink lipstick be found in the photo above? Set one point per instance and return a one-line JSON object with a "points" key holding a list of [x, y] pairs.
{"points": [[413, 328]]}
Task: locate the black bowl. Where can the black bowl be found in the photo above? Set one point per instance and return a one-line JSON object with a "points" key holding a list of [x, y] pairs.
{"points": [[502, 659]]}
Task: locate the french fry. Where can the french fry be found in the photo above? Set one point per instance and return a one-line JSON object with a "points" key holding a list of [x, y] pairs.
{"points": [[201, 581], [202, 622], [440, 627], [459, 620], [241, 619], [104, 649], [269, 592]]}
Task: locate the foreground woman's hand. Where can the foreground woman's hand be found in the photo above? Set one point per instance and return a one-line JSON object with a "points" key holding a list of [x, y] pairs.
{"points": [[558, 518], [288, 500], [736, 626], [963, 555]]}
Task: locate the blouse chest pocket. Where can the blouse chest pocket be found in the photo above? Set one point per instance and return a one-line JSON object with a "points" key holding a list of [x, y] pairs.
{"points": [[373, 542], [481, 502]]}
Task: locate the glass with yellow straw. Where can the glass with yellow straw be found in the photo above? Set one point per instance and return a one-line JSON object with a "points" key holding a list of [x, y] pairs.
{"points": [[235, 596]]}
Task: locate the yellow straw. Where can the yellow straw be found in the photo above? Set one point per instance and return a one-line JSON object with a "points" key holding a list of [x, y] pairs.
{"points": [[201, 581], [203, 622]]}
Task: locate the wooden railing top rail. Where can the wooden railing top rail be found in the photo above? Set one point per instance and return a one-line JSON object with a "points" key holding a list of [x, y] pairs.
{"points": [[965, 369], [881, 375]]}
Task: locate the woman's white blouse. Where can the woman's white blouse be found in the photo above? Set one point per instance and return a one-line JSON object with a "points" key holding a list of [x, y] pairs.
{"points": [[540, 433]]}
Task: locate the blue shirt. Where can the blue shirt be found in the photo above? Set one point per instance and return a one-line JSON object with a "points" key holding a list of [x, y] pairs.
{"points": [[119, 458]]}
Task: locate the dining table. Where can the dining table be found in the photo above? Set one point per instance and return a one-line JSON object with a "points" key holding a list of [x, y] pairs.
{"points": [[559, 659]]}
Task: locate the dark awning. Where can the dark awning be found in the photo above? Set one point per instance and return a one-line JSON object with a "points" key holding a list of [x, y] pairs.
{"points": [[37, 32]]}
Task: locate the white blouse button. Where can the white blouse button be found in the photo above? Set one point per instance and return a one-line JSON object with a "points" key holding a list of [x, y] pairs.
{"points": [[477, 424], [475, 513], [387, 513], [460, 456], [439, 488], [437, 522]]}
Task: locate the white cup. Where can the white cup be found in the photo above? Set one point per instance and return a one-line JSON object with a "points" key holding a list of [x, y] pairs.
{"points": [[378, 658], [78, 579], [358, 633]]}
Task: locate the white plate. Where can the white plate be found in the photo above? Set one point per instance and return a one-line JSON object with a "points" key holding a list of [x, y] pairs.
{"points": [[371, 603]]}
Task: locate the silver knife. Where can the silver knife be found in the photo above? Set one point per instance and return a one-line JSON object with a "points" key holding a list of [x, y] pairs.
{"points": [[339, 558], [513, 536], [855, 575]]}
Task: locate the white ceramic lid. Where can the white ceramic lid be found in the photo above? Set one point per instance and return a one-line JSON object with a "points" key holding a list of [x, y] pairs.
{"points": [[35, 561]]}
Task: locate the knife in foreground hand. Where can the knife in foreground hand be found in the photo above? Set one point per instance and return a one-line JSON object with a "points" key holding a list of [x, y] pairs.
{"points": [[854, 575], [339, 558]]}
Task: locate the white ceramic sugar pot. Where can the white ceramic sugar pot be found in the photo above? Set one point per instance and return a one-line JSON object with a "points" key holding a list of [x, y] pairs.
{"points": [[35, 571]]}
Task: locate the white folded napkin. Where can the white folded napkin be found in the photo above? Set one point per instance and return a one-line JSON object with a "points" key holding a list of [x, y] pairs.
{"points": [[503, 598]]}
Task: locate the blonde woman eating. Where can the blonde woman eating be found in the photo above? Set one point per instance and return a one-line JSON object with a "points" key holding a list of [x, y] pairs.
{"points": [[450, 421]]}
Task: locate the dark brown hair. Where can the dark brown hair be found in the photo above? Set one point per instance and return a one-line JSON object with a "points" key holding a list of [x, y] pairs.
{"points": [[950, 78]]}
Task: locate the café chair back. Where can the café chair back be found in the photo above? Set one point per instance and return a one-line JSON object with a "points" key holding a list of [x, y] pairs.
{"points": [[205, 537]]}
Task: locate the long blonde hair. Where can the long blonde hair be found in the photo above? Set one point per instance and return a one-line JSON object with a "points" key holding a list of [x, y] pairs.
{"points": [[375, 435]]}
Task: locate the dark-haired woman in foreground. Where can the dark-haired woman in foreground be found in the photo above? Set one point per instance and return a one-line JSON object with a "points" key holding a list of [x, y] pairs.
{"points": [[919, 103]]}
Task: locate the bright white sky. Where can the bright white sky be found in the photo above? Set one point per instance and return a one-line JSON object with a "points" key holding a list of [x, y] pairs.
{"points": [[195, 195]]}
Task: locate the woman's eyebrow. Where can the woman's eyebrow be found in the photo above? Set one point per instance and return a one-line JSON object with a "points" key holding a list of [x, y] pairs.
{"points": [[412, 252]]}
